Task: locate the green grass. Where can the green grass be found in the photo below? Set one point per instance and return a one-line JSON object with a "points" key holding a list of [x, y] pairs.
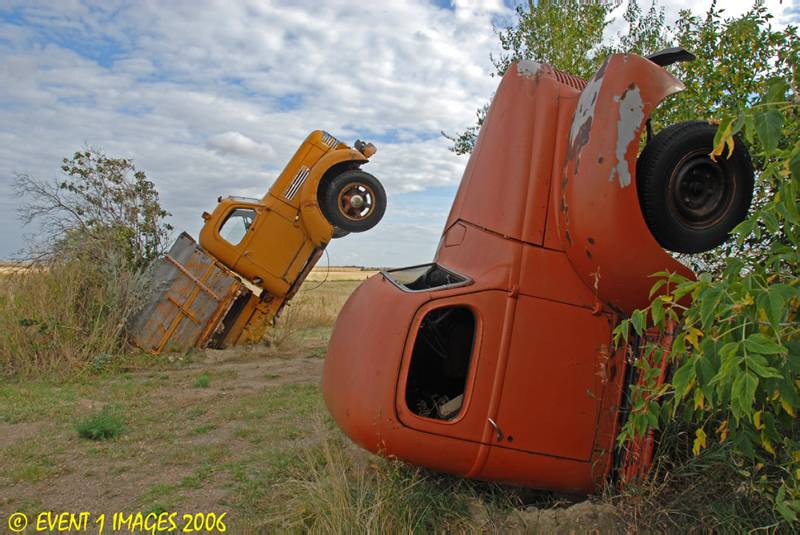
{"points": [[202, 381], [103, 425]]}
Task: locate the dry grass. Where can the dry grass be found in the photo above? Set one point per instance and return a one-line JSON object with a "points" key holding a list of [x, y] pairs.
{"points": [[338, 274], [64, 317], [311, 313], [341, 489]]}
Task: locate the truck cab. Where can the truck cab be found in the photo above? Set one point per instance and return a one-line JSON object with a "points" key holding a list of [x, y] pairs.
{"points": [[496, 360], [254, 254], [321, 194]]}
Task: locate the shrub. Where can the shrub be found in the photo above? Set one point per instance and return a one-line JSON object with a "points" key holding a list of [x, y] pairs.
{"points": [[737, 355], [60, 316], [101, 225], [103, 425], [202, 381]]}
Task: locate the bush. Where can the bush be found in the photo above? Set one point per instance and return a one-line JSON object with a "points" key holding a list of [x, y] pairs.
{"points": [[103, 425], [60, 316], [736, 357], [101, 226]]}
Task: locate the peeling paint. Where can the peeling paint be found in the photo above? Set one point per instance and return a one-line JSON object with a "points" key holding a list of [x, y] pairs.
{"points": [[584, 114], [631, 115], [528, 69]]}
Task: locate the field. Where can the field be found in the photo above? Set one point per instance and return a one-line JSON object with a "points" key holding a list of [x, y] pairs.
{"points": [[242, 432], [338, 273]]}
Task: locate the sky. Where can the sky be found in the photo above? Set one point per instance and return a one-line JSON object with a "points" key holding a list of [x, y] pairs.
{"points": [[213, 98]]}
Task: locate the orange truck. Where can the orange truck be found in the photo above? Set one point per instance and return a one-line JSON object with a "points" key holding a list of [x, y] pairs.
{"points": [[496, 360], [254, 254]]}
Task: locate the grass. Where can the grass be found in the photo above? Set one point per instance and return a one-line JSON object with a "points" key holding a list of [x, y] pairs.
{"points": [[260, 446], [202, 381], [335, 492], [309, 317], [103, 425], [684, 492], [55, 329]]}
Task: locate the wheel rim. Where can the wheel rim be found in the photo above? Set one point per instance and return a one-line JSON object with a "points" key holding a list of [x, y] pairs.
{"points": [[356, 201], [700, 190]]}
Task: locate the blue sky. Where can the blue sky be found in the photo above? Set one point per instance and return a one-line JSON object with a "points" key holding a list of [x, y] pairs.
{"points": [[212, 98]]}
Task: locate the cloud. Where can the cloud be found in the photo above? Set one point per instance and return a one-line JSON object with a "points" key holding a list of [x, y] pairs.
{"points": [[212, 98], [239, 144]]}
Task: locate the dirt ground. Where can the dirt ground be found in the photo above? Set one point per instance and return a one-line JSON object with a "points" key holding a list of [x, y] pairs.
{"points": [[214, 431], [184, 448]]}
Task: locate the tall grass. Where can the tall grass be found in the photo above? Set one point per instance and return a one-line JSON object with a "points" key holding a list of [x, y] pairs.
{"points": [[315, 306], [685, 493], [64, 316], [343, 490]]}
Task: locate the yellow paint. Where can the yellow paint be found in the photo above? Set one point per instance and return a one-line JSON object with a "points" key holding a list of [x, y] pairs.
{"points": [[288, 226]]}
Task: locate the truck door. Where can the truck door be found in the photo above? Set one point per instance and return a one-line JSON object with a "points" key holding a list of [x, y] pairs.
{"points": [[554, 383], [448, 365]]}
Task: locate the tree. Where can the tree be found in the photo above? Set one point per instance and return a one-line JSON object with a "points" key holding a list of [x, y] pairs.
{"points": [[736, 58], [100, 202], [569, 36]]}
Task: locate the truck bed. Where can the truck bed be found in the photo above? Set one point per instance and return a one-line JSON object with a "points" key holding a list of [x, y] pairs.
{"points": [[189, 296]]}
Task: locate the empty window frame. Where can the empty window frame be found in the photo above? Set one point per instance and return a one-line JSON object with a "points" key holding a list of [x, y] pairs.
{"points": [[440, 363], [425, 277]]}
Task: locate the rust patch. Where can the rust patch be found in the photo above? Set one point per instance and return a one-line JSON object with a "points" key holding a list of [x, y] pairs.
{"points": [[631, 115], [584, 115]]}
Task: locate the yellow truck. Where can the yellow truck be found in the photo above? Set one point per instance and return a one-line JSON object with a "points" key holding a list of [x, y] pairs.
{"points": [[254, 254]]}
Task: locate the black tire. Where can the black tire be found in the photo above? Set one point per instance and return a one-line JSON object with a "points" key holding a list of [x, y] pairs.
{"points": [[339, 233], [337, 201], [689, 201]]}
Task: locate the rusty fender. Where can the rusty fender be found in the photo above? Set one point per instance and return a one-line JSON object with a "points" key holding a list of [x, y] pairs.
{"points": [[600, 221]]}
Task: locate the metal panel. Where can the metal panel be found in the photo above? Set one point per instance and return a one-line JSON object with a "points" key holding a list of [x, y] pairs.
{"points": [[191, 293]]}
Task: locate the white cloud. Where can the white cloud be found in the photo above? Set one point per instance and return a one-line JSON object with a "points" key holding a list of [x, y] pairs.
{"points": [[240, 144], [212, 98]]}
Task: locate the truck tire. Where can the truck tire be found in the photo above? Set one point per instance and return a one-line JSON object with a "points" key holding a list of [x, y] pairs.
{"points": [[353, 201], [339, 233], [689, 201]]}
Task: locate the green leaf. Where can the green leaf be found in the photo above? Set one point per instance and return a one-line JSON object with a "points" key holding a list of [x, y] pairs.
{"points": [[794, 164], [682, 377], [776, 91], [637, 319], [758, 343], [768, 128], [657, 311], [709, 299], [743, 392], [759, 364], [705, 371], [776, 306], [770, 221], [659, 283]]}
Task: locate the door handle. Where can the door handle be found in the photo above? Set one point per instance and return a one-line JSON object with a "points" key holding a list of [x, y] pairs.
{"points": [[496, 429]]}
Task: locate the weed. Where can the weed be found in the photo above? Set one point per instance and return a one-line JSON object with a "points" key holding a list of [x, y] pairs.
{"points": [[202, 381], [65, 317], [339, 491], [203, 429], [103, 425]]}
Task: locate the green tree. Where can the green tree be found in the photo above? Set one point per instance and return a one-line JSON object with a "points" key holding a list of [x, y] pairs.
{"points": [[100, 203], [569, 36]]}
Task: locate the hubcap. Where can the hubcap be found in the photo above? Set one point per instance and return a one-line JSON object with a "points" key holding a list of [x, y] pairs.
{"points": [[700, 191], [356, 201]]}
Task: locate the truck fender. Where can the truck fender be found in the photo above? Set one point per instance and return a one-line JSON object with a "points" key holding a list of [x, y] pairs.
{"points": [[317, 226], [600, 221]]}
